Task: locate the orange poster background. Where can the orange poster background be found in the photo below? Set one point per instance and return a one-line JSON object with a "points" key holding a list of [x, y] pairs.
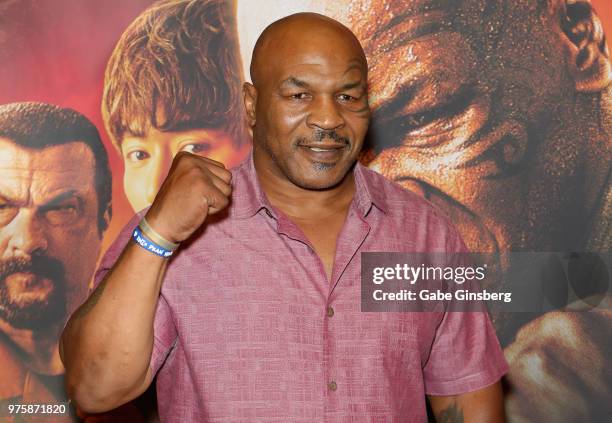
{"points": [[604, 8], [56, 51]]}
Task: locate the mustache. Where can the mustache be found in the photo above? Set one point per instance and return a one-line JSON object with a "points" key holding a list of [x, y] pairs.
{"points": [[319, 135], [39, 265]]}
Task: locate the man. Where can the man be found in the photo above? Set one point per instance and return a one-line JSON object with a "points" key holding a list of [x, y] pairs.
{"points": [[173, 84], [55, 204], [258, 316]]}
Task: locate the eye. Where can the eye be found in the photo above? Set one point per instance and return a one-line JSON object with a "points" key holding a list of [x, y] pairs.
{"points": [[196, 148], [7, 213], [137, 156], [419, 119], [439, 114], [300, 96], [346, 97], [61, 214]]}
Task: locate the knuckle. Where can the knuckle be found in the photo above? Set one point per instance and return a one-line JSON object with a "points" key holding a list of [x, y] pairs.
{"points": [[215, 162], [209, 167], [199, 185], [182, 157], [207, 199], [195, 173]]}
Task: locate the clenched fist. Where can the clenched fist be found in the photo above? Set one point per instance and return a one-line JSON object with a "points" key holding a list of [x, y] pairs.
{"points": [[194, 188]]}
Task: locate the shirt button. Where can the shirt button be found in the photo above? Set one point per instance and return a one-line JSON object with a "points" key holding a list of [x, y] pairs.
{"points": [[332, 386], [330, 311]]}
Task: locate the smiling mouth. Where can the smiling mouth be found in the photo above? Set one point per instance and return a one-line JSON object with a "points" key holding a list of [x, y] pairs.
{"points": [[324, 148], [325, 153]]}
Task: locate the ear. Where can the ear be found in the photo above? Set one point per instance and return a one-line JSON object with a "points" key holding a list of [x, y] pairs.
{"points": [[249, 94], [105, 221], [590, 62]]}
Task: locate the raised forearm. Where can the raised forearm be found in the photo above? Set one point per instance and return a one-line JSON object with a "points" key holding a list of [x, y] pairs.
{"points": [[107, 344]]}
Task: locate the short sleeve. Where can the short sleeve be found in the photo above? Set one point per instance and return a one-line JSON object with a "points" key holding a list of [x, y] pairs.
{"points": [[466, 355], [164, 330]]}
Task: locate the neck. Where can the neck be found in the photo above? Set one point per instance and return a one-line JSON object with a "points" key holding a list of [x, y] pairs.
{"points": [[301, 203], [38, 350]]}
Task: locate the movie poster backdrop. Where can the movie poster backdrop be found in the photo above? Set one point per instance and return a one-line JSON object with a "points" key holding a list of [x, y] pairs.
{"points": [[498, 112]]}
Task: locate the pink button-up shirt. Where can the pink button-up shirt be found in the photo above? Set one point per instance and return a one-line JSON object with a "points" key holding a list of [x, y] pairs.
{"points": [[249, 329]]}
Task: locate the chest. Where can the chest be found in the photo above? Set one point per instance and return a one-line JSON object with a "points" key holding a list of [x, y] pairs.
{"points": [[323, 234], [261, 316], [253, 305], [271, 289]]}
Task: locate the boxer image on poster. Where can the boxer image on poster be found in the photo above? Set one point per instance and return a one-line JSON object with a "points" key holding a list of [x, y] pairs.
{"points": [[498, 112]]}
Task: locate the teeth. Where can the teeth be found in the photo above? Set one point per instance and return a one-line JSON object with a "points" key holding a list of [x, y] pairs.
{"points": [[318, 150]]}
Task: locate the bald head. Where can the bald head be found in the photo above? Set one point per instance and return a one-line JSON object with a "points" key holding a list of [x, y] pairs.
{"points": [[297, 34], [308, 104]]}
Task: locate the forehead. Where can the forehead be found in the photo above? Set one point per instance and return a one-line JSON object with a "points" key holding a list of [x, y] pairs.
{"points": [[322, 55], [36, 174]]}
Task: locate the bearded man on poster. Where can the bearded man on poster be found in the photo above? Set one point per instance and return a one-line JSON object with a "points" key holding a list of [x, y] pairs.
{"points": [[55, 204]]}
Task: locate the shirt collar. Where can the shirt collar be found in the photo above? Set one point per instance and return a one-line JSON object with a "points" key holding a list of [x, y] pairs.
{"points": [[368, 190], [248, 197]]}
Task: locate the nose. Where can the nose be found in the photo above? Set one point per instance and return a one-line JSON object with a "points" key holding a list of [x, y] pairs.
{"points": [[158, 172], [324, 114], [27, 235]]}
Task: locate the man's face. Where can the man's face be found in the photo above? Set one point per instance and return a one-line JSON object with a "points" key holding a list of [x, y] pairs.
{"points": [[147, 159], [472, 109], [49, 237], [311, 111]]}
